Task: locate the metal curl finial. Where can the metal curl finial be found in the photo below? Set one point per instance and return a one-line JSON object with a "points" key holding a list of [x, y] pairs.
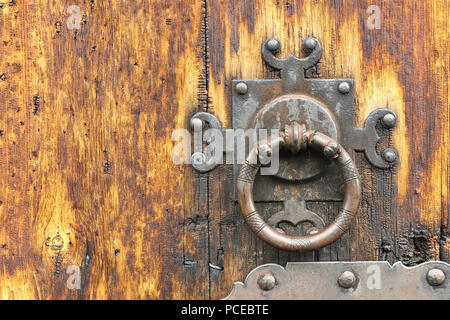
{"points": [[310, 45], [366, 139]]}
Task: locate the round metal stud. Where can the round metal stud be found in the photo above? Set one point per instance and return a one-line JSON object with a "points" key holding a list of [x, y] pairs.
{"points": [[390, 155], [309, 44], [198, 158], [280, 230], [347, 279], [267, 282], [344, 87], [389, 120], [196, 124], [435, 277], [273, 45], [241, 88]]}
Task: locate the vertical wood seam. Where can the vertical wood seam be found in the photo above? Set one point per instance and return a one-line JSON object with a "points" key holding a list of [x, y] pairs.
{"points": [[208, 178]]}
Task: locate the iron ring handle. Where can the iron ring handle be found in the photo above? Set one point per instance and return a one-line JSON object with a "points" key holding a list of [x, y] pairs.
{"points": [[295, 137]]}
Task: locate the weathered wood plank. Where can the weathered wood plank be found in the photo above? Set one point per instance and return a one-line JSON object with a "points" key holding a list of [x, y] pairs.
{"points": [[15, 225], [403, 66], [85, 139], [86, 171]]}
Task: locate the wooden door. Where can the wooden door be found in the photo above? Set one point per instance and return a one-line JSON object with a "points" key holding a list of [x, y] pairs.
{"points": [[91, 91]]}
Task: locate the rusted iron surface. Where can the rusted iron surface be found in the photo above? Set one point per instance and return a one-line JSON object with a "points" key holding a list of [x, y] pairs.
{"points": [[295, 213], [200, 121], [404, 211], [374, 280], [326, 105], [294, 137]]}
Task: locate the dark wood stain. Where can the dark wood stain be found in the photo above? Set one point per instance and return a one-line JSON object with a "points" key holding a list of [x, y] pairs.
{"points": [[86, 120]]}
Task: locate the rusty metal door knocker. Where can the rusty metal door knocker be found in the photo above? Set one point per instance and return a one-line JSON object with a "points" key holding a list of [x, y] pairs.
{"points": [[317, 117], [295, 137], [327, 109]]}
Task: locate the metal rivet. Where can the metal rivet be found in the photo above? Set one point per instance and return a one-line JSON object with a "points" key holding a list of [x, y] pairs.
{"points": [[241, 88], [344, 87], [347, 279], [435, 277], [309, 44], [389, 120], [198, 158], [280, 230], [196, 124], [267, 282], [390, 155], [273, 45]]}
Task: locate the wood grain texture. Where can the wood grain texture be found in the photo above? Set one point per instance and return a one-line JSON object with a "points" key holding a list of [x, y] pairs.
{"points": [[402, 66], [87, 117], [86, 173]]}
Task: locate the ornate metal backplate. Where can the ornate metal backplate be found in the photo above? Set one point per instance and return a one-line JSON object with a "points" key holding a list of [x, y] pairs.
{"points": [[298, 95], [326, 105], [345, 280]]}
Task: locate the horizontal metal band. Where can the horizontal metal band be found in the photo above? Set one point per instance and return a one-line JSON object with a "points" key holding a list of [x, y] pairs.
{"points": [[344, 219], [349, 170], [337, 280], [255, 221], [248, 172]]}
